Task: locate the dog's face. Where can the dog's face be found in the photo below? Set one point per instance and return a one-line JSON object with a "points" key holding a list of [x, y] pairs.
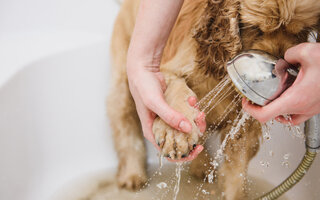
{"points": [[276, 25]]}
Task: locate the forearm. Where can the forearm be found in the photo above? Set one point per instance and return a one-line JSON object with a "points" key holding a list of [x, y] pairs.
{"points": [[154, 22]]}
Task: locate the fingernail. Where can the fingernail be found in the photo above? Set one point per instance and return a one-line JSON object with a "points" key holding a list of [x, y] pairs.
{"points": [[184, 126]]}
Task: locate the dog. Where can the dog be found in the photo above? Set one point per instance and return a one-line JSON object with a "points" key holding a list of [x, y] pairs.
{"points": [[207, 33]]}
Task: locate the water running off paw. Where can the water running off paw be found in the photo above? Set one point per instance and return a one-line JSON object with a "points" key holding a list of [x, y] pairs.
{"points": [[178, 175]]}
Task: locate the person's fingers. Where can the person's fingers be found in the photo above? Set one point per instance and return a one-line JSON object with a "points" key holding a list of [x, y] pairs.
{"points": [[147, 130], [268, 112], [298, 53], [293, 120], [192, 101], [146, 123], [201, 121], [151, 139], [298, 119], [281, 119], [201, 118], [162, 81], [170, 116], [284, 120], [191, 156], [146, 118], [252, 109]]}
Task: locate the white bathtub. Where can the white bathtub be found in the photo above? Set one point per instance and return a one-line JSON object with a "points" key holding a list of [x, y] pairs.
{"points": [[54, 74]]}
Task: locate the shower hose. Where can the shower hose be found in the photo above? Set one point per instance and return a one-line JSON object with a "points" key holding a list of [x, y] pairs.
{"points": [[294, 178]]}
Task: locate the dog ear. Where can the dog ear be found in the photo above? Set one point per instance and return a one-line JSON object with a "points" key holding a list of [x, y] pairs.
{"points": [[270, 15], [217, 36], [303, 14]]}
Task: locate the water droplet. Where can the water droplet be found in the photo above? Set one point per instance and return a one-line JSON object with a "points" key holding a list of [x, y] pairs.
{"points": [[210, 177], [286, 156], [271, 153], [204, 191], [161, 185]]}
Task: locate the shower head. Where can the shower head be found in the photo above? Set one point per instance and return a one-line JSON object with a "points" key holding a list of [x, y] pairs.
{"points": [[260, 76]]}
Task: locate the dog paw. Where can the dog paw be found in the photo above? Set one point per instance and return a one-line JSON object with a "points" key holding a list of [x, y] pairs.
{"points": [[175, 144], [131, 177], [132, 181]]}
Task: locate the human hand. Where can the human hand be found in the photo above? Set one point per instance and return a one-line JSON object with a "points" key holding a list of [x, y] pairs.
{"points": [[300, 101], [147, 86]]}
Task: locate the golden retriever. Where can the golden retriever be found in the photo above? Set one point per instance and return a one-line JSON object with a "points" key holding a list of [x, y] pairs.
{"points": [[206, 35]]}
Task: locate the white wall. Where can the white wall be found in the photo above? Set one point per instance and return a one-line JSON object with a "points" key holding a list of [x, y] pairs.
{"points": [[55, 15], [33, 29]]}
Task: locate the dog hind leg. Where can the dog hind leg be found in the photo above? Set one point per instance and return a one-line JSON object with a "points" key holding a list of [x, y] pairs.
{"points": [[238, 153]]}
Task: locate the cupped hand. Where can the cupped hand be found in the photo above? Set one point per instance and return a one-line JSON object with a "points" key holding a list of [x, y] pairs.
{"points": [[300, 101], [147, 86]]}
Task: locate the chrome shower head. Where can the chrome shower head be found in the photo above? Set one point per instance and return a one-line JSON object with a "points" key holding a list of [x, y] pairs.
{"points": [[260, 76]]}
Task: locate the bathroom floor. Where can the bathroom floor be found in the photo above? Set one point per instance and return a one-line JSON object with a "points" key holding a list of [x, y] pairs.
{"points": [[163, 185]]}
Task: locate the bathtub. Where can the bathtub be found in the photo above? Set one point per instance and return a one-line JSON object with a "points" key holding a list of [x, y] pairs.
{"points": [[54, 78]]}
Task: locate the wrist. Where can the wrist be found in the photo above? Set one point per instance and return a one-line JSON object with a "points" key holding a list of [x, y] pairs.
{"points": [[136, 64], [144, 56]]}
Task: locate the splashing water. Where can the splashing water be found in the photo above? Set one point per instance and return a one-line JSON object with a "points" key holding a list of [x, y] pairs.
{"points": [[266, 131], [178, 175], [162, 185], [238, 123], [297, 132], [285, 161], [219, 155], [160, 155], [225, 94], [215, 96]]}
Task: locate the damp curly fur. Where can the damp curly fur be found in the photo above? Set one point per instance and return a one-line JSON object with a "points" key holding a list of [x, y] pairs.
{"points": [[206, 35], [214, 32]]}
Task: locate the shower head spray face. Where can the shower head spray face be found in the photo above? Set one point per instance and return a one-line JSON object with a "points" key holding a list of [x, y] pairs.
{"points": [[260, 76]]}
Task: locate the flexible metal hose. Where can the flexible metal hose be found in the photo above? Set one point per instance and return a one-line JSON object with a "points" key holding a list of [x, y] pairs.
{"points": [[294, 178]]}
